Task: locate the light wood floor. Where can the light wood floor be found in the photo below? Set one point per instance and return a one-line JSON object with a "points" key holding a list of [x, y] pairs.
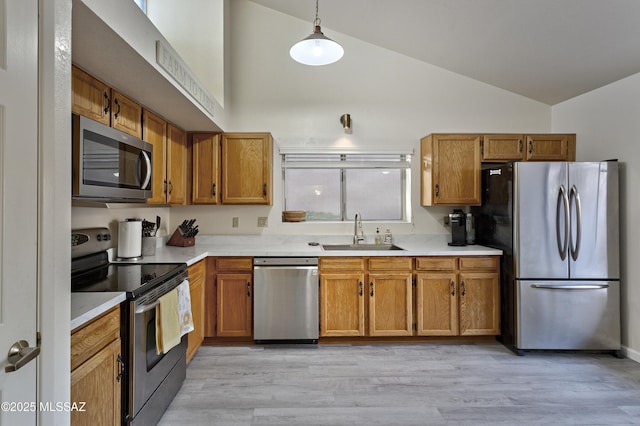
{"points": [[416, 384]]}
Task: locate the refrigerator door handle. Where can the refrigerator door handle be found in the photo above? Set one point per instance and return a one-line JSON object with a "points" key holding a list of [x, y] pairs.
{"points": [[564, 201], [575, 196], [571, 287]]}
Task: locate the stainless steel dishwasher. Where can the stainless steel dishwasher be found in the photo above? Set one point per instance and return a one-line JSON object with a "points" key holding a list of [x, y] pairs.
{"points": [[285, 299]]}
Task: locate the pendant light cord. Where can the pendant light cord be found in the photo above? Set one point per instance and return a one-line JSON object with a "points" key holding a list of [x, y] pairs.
{"points": [[316, 22]]}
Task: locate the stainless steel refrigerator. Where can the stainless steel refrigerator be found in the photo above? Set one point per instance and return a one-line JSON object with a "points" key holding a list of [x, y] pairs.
{"points": [[558, 225]]}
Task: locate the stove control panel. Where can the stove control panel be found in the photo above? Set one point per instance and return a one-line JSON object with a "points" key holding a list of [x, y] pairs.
{"points": [[89, 240]]}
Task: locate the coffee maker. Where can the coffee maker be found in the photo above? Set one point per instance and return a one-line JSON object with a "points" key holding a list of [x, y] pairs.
{"points": [[458, 224]]}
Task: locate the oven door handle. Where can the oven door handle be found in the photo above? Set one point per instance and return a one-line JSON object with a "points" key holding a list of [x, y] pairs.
{"points": [[144, 308]]}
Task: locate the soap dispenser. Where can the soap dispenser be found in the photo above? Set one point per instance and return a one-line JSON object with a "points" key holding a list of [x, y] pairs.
{"points": [[388, 238], [378, 237]]}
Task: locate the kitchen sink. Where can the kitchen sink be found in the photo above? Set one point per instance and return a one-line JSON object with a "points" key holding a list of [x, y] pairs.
{"points": [[361, 247]]}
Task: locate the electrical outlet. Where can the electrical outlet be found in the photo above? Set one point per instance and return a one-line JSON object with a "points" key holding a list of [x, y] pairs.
{"points": [[235, 222], [263, 221]]}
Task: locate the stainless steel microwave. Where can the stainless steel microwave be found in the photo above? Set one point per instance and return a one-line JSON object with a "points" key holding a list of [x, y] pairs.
{"points": [[108, 164]]}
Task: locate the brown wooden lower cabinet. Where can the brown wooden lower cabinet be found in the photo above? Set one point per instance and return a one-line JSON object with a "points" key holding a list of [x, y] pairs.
{"points": [[197, 276], [352, 289], [229, 297], [96, 371], [458, 296], [342, 304]]}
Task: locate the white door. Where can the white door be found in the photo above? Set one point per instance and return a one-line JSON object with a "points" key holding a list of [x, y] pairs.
{"points": [[18, 204]]}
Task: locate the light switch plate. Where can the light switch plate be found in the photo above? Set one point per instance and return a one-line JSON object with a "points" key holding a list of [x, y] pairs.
{"points": [[235, 222]]}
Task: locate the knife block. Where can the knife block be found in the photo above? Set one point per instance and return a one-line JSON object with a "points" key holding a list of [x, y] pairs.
{"points": [[179, 240]]}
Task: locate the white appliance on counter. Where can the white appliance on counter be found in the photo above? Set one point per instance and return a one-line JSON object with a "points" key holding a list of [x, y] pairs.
{"points": [[558, 226], [130, 239]]}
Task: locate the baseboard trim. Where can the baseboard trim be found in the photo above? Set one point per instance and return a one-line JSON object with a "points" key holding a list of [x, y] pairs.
{"points": [[631, 354]]}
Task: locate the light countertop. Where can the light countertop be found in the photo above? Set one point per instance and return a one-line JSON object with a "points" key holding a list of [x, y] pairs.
{"points": [[86, 306], [298, 245]]}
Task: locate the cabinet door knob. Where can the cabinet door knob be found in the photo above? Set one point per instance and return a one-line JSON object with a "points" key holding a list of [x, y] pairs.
{"points": [[264, 190], [371, 285], [464, 290], [437, 189], [361, 288], [530, 147], [453, 288], [213, 190], [248, 289]]}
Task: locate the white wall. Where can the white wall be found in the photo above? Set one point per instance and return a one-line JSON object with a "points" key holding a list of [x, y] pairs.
{"points": [[393, 101], [607, 124]]}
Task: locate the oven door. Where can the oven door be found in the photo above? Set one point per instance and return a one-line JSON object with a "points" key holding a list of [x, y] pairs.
{"points": [[149, 389]]}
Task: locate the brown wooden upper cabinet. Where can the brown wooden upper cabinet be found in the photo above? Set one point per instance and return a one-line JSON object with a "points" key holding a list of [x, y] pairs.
{"points": [[450, 168], [169, 172], [206, 168], [528, 147], [245, 163], [93, 99], [557, 147]]}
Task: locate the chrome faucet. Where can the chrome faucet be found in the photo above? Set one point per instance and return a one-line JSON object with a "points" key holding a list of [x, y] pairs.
{"points": [[358, 233]]}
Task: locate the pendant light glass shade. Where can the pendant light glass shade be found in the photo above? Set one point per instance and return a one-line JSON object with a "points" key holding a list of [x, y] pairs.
{"points": [[317, 49]]}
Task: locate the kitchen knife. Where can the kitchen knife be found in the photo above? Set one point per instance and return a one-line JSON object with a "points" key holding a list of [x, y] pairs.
{"points": [[157, 225]]}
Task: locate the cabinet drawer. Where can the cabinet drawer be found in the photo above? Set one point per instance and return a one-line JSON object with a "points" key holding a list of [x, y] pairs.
{"points": [[390, 264], [352, 264], [436, 263], [197, 272], [479, 263], [87, 340], [234, 264]]}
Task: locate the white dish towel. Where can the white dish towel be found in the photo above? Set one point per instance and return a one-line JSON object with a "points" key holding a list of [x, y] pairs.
{"points": [[184, 308]]}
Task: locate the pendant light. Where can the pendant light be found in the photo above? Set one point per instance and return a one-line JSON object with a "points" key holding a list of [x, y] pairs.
{"points": [[316, 49]]}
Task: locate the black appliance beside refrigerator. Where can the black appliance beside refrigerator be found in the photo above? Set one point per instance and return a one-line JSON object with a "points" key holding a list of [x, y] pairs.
{"points": [[557, 224]]}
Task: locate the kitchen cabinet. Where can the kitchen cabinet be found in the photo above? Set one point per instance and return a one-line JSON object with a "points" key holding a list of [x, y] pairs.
{"points": [[457, 296], [154, 131], [354, 289], [246, 162], [206, 170], [94, 99], [126, 114], [528, 147], [197, 277], [551, 147], [342, 296], [176, 165], [450, 169], [90, 97], [96, 370], [390, 296], [234, 297], [169, 171], [503, 147]]}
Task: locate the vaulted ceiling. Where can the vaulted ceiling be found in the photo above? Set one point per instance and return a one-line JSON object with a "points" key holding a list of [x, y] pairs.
{"points": [[547, 50]]}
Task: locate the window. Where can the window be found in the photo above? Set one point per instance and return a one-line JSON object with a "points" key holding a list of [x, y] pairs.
{"points": [[334, 187], [142, 4]]}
